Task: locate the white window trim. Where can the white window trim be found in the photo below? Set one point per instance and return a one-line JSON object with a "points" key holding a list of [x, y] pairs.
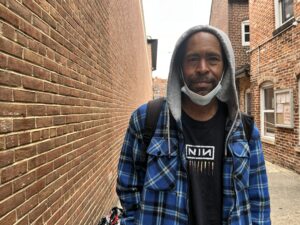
{"points": [[270, 137], [245, 43], [278, 14]]}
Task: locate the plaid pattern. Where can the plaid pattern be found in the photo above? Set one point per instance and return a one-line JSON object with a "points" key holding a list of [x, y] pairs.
{"points": [[152, 185]]}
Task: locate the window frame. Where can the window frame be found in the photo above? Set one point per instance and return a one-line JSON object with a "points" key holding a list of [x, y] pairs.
{"points": [[264, 86], [245, 23], [288, 92], [279, 13]]}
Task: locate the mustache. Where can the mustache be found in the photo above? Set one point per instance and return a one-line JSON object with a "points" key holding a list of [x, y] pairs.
{"points": [[202, 78]]}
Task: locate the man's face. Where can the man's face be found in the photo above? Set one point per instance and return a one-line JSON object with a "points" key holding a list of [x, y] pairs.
{"points": [[202, 63]]}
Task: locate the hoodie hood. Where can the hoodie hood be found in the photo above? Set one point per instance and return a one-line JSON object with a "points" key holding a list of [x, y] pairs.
{"points": [[228, 92]]}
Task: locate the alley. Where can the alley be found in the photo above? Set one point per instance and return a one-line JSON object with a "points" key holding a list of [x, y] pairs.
{"points": [[285, 195]]}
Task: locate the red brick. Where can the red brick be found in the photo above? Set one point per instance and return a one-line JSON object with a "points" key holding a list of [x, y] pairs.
{"points": [[8, 31], [25, 152], [33, 7], [44, 98], [32, 83], [41, 73], [5, 191], [10, 47], [36, 136], [38, 23], [19, 9], [53, 110], [11, 172], [11, 141], [59, 162], [11, 203], [19, 66], [5, 94], [24, 221], [44, 170], [6, 158], [22, 39], [49, 20], [10, 79], [45, 134], [30, 30], [6, 126], [45, 146], [24, 181], [12, 110], [52, 177], [50, 65], [3, 61], [8, 16], [44, 122], [24, 96], [35, 188], [2, 143], [50, 87], [27, 206], [23, 124], [36, 161], [33, 57], [9, 218], [37, 211], [76, 68], [36, 110], [59, 120]]}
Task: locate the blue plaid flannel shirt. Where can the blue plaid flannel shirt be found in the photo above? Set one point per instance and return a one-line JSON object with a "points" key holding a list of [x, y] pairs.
{"points": [[152, 184]]}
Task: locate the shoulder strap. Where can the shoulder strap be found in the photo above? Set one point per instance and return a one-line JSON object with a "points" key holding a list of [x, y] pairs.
{"points": [[248, 122], [152, 114]]}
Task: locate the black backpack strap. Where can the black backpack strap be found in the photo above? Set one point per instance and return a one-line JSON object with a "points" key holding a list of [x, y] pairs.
{"points": [[248, 122], [152, 114]]}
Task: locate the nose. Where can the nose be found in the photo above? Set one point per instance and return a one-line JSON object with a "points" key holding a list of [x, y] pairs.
{"points": [[202, 66]]}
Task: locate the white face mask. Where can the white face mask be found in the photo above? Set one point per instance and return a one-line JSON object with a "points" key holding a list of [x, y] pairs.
{"points": [[201, 99]]}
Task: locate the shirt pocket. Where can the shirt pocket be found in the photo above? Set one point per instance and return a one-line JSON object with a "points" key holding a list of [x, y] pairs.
{"points": [[241, 164], [161, 165]]}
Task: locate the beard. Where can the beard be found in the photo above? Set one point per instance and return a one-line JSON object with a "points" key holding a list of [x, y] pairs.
{"points": [[201, 84]]}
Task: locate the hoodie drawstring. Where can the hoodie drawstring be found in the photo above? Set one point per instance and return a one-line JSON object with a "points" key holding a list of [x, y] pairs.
{"points": [[168, 127]]}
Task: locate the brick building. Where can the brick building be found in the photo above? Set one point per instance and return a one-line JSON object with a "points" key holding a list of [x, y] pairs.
{"points": [[159, 87], [232, 16], [274, 58], [275, 71], [68, 84]]}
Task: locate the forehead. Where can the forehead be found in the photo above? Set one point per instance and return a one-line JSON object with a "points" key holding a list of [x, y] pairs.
{"points": [[202, 41]]}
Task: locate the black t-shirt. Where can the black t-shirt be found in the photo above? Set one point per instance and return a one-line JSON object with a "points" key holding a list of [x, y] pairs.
{"points": [[204, 147]]}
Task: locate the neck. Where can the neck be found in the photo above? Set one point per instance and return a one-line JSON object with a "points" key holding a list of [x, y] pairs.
{"points": [[199, 112]]}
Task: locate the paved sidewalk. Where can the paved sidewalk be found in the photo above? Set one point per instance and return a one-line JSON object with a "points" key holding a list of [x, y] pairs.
{"points": [[284, 186]]}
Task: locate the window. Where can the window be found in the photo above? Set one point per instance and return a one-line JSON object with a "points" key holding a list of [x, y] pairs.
{"points": [[267, 110], [284, 10], [284, 108], [248, 101], [245, 33]]}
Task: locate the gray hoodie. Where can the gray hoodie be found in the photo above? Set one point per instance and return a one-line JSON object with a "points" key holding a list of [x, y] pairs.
{"points": [[228, 92]]}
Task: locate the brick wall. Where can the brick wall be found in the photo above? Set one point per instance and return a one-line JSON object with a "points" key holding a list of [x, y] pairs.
{"points": [[219, 14], [277, 61], [159, 87], [238, 12], [243, 85], [69, 79]]}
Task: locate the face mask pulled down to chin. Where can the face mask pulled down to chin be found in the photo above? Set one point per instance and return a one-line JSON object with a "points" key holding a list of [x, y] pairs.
{"points": [[201, 99]]}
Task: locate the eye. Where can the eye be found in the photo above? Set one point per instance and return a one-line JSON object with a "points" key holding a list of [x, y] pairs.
{"points": [[193, 59], [214, 59]]}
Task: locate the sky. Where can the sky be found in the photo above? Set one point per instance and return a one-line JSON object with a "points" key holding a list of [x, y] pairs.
{"points": [[166, 20]]}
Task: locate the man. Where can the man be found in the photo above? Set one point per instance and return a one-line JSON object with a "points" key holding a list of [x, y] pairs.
{"points": [[199, 168]]}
